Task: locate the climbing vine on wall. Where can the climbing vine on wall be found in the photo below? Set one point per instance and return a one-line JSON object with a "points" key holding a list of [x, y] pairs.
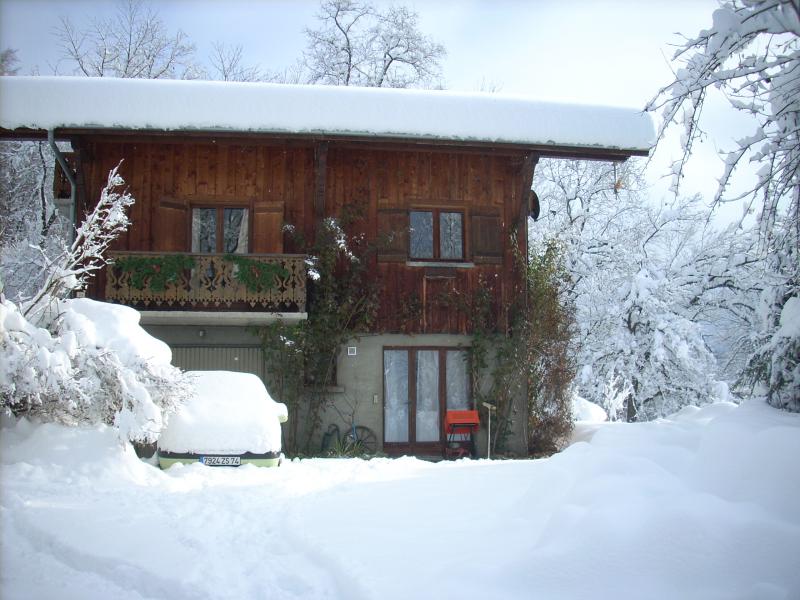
{"points": [[530, 356], [343, 301]]}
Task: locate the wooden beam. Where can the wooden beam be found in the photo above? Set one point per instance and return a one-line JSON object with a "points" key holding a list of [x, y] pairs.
{"points": [[320, 178]]}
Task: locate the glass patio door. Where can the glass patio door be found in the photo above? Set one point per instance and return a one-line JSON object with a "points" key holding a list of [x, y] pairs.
{"points": [[419, 385], [427, 425]]}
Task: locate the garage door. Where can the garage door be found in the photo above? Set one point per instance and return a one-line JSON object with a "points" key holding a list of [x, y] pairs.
{"points": [[245, 359]]}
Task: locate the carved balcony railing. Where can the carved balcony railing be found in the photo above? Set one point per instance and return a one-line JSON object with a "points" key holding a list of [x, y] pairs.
{"points": [[205, 282]]}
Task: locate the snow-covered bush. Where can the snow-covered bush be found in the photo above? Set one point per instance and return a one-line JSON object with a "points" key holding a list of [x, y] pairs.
{"points": [[774, 368], [92, 364]]}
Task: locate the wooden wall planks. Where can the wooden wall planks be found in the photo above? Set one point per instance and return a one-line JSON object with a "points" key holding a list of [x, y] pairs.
{"points": [[278, 182]]}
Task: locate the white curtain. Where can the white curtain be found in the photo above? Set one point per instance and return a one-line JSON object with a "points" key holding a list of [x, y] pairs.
{"points": [[395, 377], [427, 396], [457, 380], [204, 230]]}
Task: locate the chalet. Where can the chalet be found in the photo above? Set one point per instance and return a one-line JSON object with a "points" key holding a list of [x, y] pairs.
{"points": [[221, 168]]}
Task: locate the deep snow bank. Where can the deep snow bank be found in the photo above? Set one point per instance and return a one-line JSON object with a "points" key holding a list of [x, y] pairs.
{"points": [[702, 505]]}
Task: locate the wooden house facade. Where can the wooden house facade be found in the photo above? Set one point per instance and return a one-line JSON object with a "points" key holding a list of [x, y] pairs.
{"points": [[446, 203]]}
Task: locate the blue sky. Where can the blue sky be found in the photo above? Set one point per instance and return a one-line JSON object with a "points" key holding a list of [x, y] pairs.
{"points": [[606, 52]]}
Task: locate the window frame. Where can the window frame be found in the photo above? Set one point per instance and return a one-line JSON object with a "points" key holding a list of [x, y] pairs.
{"points": [[411, 444], [220, 225], [436, 217]]}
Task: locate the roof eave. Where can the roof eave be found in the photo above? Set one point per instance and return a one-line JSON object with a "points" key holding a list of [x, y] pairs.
{"points": [[544, 150]]}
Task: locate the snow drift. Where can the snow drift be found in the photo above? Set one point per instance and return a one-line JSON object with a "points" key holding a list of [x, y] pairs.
{"points": [[698, 506]]}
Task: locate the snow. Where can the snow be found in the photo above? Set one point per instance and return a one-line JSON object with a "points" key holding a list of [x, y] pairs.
{"points": [[209, 106], [698, 506], [88, 362], [115, 327], [229, 413], [790, 319], [583, 410]]}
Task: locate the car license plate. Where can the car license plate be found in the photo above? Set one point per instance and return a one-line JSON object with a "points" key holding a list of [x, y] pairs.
{"points": [[221, 461]]}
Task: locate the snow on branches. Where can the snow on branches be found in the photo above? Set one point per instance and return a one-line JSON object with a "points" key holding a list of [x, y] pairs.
{"points": [[90, 364], [752, 53], [641, 353], [71, 268]]}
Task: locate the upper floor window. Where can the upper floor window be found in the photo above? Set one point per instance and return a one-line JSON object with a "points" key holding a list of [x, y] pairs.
{"points": [[436, 235], [220, 230]]}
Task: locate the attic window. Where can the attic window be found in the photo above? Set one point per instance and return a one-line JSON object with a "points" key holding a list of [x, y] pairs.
{"points": [[436, 235]]}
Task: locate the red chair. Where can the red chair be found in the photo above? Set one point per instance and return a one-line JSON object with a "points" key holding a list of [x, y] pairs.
{"points": [[460, 427]]}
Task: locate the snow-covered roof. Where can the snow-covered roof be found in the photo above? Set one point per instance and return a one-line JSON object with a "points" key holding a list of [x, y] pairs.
{"points": [[42, 103]]}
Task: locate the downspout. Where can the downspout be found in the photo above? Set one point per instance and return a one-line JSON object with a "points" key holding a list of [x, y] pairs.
{"points": [[70, 177]]}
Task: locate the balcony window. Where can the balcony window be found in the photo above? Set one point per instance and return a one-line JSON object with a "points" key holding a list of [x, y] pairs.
{"points": [[219, 230]]}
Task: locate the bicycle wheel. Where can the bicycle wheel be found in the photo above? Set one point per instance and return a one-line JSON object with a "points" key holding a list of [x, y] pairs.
{"points": [[360, 440]]}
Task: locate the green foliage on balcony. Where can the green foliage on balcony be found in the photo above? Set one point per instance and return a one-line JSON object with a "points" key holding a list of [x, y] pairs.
{"points": [[255, 275], [154, 272]]}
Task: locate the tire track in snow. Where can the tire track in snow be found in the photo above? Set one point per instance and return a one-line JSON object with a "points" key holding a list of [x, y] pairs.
{"points": [[118, 573], [344, 573]]}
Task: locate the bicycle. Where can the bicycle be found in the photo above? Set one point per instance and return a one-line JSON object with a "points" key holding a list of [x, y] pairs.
{"points": [[357, 440]]}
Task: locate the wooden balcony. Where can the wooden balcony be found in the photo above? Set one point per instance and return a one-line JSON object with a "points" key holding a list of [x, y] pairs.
{"points": [[207, 282]]}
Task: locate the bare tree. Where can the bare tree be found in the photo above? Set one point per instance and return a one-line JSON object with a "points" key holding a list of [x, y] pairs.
{"points": [[135, 43], [226, 60], [8, 62], [358, 45]]}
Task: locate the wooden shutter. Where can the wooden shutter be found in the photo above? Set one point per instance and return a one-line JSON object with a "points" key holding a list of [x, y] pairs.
{"points": [[268, 228], [393, 235], [171, 227], [487, 239]]}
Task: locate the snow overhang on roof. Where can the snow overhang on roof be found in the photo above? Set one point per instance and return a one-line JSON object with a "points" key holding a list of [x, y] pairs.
{"points": [[82, 103]]}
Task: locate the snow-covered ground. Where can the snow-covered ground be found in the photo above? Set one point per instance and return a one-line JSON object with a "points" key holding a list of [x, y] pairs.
{"points": [[702, 505]]}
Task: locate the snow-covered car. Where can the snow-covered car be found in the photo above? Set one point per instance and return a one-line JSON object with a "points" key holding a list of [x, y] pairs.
{"points": [[229, 421]]}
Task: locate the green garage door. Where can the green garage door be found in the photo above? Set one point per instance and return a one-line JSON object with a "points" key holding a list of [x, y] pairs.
{"points": [[245, 359]]}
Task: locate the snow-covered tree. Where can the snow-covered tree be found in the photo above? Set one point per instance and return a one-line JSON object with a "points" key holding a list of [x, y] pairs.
{"points": [[752, 53], [81, 361], [641, 353], [71, 268], [134, 43], [356, 44], [29, 222]]}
